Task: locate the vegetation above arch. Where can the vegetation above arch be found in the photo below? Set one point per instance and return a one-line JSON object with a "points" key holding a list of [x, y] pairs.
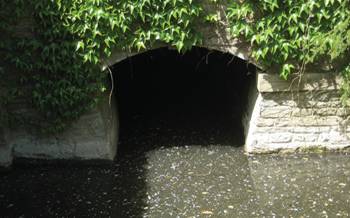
{"points": [[57, 60]]}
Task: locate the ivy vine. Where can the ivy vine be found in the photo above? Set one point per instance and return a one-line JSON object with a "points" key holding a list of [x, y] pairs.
{"points": [[296, 36], [57, 56]]}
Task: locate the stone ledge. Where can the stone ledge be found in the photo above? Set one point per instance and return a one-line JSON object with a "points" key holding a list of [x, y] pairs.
{"points": [[299, 148], [309, 82]]}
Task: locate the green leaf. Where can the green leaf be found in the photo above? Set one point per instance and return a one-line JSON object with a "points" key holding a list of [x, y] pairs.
{"points": [[80, 45]]}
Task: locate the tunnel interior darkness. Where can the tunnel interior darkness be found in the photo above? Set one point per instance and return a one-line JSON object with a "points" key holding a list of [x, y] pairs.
{"points": [[166, 98]]}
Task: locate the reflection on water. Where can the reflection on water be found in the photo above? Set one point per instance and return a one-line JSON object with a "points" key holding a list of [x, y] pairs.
{"points": [[185, 181]]}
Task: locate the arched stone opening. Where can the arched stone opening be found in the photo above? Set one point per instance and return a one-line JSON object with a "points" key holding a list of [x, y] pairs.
{"points": [[201, 97], [287, 115]]}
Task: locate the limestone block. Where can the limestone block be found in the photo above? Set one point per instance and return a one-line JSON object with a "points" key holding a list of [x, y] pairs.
{"points": [[6, 155], [308, 137], [326, 111], [287, 121], [271, 101], [96, 149], [276, 112], [309, 81], [303, 99], [316, 121], [280, 137], [333, 136], [264, 122], [274, 129], [310, 130], [28, 145], [93, 136]]}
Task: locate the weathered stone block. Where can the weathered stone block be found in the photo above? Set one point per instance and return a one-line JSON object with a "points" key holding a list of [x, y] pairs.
{"points": [[287, 120], [93, 136], [6, 155], [310, 129], [308, 82], [305, 138], [264, 122], [276, 112], [280, 137]]}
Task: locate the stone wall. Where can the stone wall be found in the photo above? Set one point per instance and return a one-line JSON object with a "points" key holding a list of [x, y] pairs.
{"points": [[280, 116], [304, 118], [93, 137]]}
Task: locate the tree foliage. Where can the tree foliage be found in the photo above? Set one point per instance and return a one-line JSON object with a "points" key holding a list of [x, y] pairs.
{"points": [[294, 36]]}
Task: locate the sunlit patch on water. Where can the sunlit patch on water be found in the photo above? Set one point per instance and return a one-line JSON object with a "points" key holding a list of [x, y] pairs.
{"points": [[220, 181], [191, 181]]}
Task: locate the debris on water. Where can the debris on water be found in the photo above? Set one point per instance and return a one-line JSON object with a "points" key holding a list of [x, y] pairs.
{"points": [[207, 212]]}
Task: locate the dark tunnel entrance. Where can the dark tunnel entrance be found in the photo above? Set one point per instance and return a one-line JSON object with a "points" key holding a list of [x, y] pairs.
{"points": [[170, 99]]}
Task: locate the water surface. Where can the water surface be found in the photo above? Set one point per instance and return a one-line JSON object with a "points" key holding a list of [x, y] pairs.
{"points": [[183, 181]]}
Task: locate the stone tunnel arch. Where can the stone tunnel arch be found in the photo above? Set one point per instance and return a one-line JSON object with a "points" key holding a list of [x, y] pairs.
{"points": [[234, 47], [276, 121], [250, 92]]}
